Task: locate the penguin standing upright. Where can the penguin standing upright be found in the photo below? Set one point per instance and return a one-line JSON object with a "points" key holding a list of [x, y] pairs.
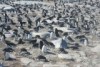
{"points": [[44, 49], [85, 42], [51, 35], [56, 33]]}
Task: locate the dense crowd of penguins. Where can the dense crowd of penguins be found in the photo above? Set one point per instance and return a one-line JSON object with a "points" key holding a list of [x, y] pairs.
{"points": [[46, 26]]}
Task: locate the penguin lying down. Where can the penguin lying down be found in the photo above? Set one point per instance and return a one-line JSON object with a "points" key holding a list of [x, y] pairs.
{"points": [[41, 58], [24, 52]]}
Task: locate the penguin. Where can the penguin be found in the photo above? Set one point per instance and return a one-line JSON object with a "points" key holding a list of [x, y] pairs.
{"points": [[42, 58]]}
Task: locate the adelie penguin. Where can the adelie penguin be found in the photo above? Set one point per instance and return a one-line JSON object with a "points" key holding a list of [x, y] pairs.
{"points": [[41, 58]]}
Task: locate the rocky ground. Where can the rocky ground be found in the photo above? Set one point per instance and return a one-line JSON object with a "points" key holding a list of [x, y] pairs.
{"points": [[85, 56]]}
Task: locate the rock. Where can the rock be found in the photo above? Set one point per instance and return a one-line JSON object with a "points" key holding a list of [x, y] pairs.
{"points": [[78, 57], [51, 57], [96, 49], [55, 65], [16, 65], [12, 64], [82, 53], [36, 64], [1, 55], [26, 61], [65, 56], [98, 65], [77, 65]]}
